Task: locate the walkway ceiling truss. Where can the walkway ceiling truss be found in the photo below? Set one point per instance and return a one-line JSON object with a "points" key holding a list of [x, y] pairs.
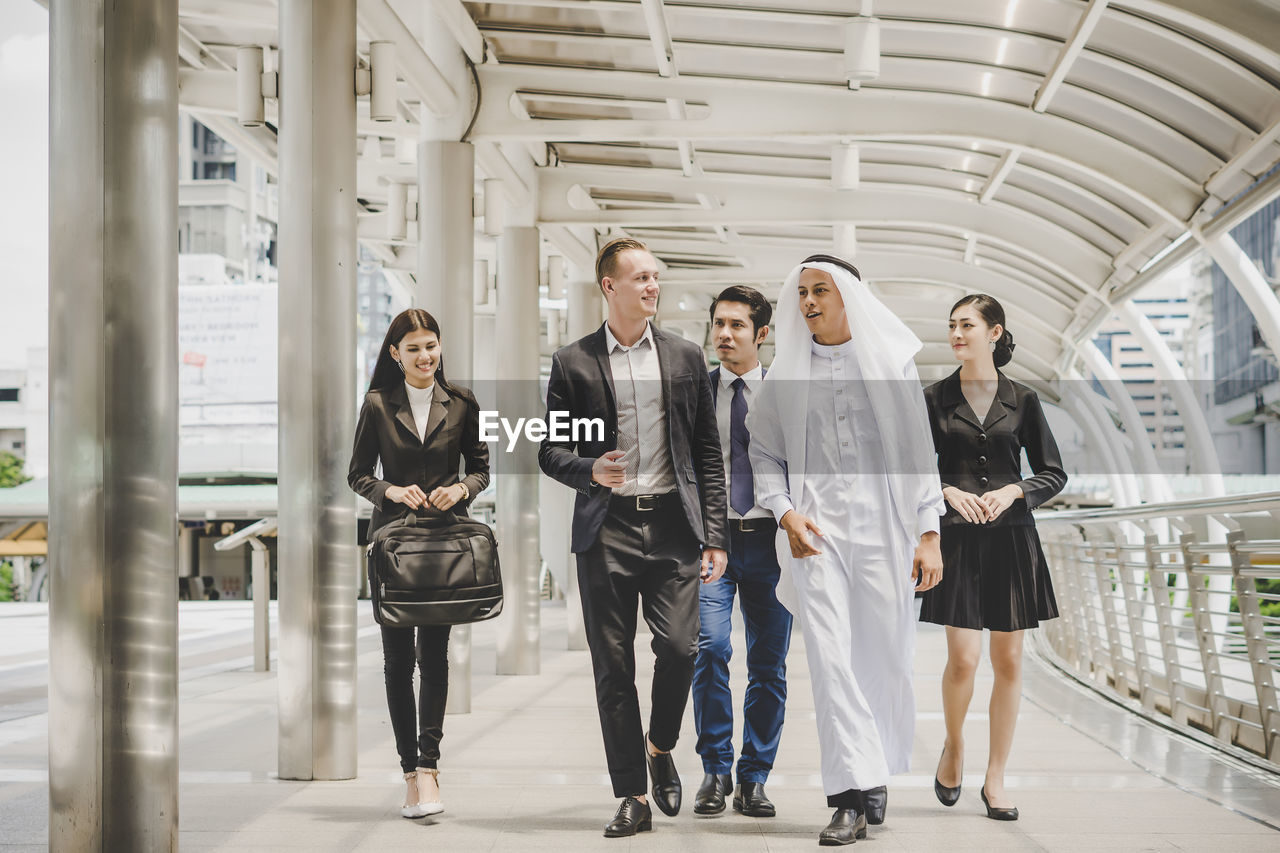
{"points": [[1051, 152]]}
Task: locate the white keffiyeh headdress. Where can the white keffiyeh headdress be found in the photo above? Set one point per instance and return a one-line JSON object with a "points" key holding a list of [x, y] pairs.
{"points": [[885, 349]]}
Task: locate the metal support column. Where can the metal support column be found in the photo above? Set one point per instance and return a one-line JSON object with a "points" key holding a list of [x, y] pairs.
{"points": [[317, 559], [446, 268], [1162, 595], [113, 370], [519, 641], [260, 574], [586, 306], [1253, 626], [1207, 631], [260, 577]]}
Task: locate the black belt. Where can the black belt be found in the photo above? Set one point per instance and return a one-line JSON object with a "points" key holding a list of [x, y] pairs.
{"points": [[642, 503], [752, 525]]}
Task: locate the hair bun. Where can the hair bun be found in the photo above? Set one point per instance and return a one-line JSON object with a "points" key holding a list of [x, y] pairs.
{"points": [[1004, 349]]}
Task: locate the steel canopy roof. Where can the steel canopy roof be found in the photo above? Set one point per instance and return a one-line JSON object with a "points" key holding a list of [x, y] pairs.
{"points": [[1049, 152]]}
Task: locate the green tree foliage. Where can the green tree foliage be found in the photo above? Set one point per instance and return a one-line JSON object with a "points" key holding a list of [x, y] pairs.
{"points": [[11, 473], [1269, 586]]}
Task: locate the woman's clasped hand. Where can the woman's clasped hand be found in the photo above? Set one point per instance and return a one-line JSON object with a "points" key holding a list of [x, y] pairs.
{"points": [[441, 497]]}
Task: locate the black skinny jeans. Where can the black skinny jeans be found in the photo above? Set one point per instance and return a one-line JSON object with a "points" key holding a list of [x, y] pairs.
{"points": [[417, 734]]}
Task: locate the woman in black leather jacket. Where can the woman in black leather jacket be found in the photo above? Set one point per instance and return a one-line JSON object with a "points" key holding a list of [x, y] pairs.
{"points": [[994, 572]]}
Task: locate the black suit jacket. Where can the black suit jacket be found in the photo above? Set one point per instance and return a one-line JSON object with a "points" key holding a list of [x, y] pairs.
{"points": [[581, 384], [386, 431], [979, 456]]}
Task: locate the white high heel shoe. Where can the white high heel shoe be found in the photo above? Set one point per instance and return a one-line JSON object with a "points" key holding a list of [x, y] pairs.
{"points": [[411, 808], [429, 807]]}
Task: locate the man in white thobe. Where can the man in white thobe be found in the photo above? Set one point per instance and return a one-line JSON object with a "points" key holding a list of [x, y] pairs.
{"points": [[843, 458]]}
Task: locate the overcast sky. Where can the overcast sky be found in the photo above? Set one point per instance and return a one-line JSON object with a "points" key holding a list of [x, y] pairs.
{"points": [[24, 179]]}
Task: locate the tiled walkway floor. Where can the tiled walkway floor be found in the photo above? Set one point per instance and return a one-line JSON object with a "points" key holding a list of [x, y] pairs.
{"points": [[525, 770]]}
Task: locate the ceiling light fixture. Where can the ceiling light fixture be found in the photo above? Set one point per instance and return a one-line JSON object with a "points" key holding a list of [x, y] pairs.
{"points": [[861, 50], [845, 166]]}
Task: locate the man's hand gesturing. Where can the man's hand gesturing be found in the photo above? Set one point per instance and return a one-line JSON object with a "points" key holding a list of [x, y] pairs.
{"points": [[610, 470]]}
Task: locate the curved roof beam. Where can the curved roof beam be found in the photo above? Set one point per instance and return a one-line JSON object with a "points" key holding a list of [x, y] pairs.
{"points": [[741, 109], [738, 202], [1111, 237], [889, 268], [1105, 212], [1246, 27], [970, 33], [1018, 263], [956, 75]]}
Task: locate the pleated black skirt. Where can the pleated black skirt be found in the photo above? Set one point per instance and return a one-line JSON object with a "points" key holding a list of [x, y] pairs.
{"points": [[992, 577]]}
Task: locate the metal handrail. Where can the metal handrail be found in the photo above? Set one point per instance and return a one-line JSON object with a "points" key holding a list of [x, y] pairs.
{"points": [[1160, 610], [1200, 506]]}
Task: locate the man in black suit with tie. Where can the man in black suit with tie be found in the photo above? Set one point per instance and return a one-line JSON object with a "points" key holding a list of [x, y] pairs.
{"points": [[649, 519]]}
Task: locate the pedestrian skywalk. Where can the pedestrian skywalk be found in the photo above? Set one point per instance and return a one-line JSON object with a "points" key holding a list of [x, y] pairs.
{"points": [[525, 769]]}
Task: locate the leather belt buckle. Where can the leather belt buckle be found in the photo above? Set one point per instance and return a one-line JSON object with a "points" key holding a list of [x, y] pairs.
{"points": [[648, 503], [752, 525]]}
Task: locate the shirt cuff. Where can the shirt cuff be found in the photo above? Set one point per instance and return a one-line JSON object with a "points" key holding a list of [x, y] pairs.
{"points": [[779, 505], [927, 520]]}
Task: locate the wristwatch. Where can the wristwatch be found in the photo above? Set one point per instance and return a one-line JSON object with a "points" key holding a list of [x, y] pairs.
{"points": [[466, 493]]}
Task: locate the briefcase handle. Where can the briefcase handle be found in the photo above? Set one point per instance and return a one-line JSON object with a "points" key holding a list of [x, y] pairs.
{"points": [[428, 516]]}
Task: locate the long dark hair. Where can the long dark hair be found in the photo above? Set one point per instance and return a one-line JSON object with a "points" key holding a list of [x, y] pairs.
{"points": [[993, 314], [386, 373]]}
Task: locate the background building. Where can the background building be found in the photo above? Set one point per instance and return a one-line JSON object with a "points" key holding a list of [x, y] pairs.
{"points": [[1245, 393], [1167, 303]]}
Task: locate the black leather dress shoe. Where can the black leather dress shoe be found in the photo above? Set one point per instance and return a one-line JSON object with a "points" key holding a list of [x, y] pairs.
{"points": [[666, 781], [947, 796], [715, 787], [846, 827], [633, 816], [997, 814], [749, 799], [876, 800]]}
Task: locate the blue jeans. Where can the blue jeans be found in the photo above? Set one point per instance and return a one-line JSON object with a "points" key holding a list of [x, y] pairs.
{"points": [[753, 576]]}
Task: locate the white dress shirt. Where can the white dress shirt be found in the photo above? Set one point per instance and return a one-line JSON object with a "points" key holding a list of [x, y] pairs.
{"points": [[724, 403], [642, 414], [420, 403]]}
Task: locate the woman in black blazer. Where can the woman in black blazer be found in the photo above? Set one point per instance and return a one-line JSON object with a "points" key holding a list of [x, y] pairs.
{"points": [[420, 427], [994, 570]]}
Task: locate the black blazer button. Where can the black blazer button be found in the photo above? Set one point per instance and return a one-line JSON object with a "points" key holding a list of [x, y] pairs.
{"points": [[982, 460], [983, 481], [982, 438]]}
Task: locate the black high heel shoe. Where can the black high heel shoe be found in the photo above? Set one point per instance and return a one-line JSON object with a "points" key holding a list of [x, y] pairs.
{"points": [[947, 796], [997, 814]]}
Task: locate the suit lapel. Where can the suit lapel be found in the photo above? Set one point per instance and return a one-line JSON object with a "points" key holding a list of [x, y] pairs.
{"points": [[664, 370], [403, 411], [715, 387], [966, 413], [439, 410], [953, 397], [1004, 401]]}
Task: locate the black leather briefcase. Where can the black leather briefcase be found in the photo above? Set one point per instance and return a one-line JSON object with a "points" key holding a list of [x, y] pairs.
{"points": [[435, 569]]}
